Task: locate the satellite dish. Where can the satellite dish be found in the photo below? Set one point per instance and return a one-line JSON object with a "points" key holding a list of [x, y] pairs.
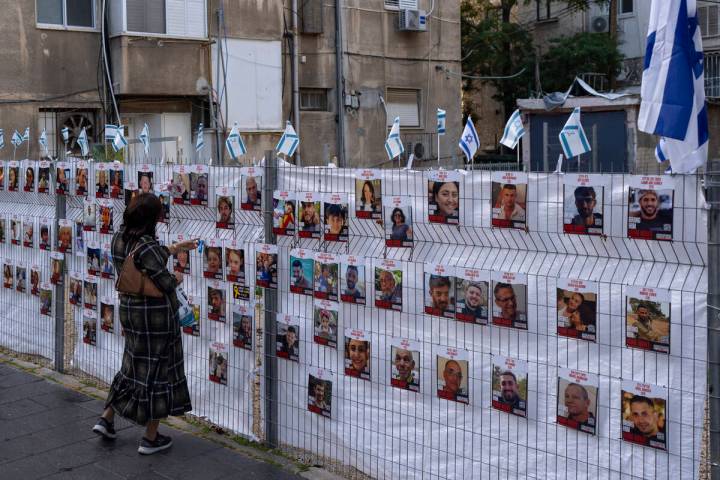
{"points": [[202, 87]]}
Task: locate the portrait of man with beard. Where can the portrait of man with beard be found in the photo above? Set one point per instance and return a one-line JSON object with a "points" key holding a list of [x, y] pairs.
{"points": [[650, 214]]}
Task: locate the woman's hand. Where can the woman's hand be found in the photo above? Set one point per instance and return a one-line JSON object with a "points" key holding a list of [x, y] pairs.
{"points": [[178, 277], [186, 245]]}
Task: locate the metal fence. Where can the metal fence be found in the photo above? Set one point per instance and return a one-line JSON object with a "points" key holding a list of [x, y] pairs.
{"points": [[310, 400]]}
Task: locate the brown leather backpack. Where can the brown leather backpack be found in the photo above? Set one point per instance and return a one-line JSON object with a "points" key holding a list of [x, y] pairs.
{"points": [[132, 281]]}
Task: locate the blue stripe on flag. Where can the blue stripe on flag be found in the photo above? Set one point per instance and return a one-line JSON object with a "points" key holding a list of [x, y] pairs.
{"points": [[565, 146], [649, 48]]}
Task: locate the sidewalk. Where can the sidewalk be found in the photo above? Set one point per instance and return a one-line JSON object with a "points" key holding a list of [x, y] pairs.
{"points": [[45, 432]]}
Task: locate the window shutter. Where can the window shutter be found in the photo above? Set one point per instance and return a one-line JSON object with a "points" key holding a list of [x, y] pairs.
{"points": [[401, 4], [146, 16], [196, 22], [403, 103], [186, 18], [175, 13], [712, 21], [311, 16]]}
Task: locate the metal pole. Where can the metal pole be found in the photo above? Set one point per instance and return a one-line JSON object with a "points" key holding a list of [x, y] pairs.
{"points": [[296, 75], [712, 194], [271, 308], [59, 294], [340, 85]]}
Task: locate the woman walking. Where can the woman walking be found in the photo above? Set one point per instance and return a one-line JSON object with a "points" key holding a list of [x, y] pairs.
{"points": [[151, 383]]}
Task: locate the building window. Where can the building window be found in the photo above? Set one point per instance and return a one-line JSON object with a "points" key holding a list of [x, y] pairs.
{"points": [[66, 13], [712, 76], [176, 18], [626, 7], [403, 103], [146, 16], [708, 20], [401, 4], [314, 99]]}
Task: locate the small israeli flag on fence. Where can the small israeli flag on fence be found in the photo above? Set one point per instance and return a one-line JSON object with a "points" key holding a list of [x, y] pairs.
{"points": [[572, 137], [145, 138], [441, 117], [469, 141], [289, 141], [43, 141], [234, 143], [26, 135], [65, 135], [393, 145], [2, 138], [82, 140], [110, 132], [514, 130], [16, 139], [673, 84], [200, 141], [660, 151], [119, 142]]}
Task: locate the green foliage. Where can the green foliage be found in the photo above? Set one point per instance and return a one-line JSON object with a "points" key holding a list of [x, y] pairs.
{"points": [[581, 53]]}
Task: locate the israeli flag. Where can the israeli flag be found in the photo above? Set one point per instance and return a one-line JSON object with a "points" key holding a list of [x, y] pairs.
{"points": [[43, 141], [672, 93], [441, 116], [26, 135], [110, 132], [234, 144], [65, 135], [2, 138], [514, 130], [660, 151], [119, 142], [145, 138], [289, 141], [393, 145], [16, 139], [572, 137], [200, 141], [82, 140], [469, 141]]}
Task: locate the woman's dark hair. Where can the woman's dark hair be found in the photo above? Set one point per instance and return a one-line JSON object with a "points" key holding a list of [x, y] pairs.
{"points": [[141, 217], [397, 210], [438, 185]]}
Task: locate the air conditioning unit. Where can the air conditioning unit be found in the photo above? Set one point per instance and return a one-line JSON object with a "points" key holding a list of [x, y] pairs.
{"points": [[420, 149], [412, 21], [599, 24]]}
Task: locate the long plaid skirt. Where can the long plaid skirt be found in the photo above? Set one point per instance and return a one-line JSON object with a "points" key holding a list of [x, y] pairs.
{"points": [[151, 383]]}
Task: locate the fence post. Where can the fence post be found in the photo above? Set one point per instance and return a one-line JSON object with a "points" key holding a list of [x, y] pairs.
{"points": [[712, 193], [59, 296], [271, 308]]}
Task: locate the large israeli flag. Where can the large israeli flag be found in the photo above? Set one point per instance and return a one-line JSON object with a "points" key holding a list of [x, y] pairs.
{"points": [[393, 145], [469, 141], [82, 140], [441, 117], [572, 137], [673, 95], [234, 143], [43, 141], [288, 142], [145, 138], [119, 142], [514, 130], [200, 141], [16, 139]]}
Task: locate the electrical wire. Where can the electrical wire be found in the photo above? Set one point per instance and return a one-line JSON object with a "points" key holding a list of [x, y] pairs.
{"points": [[474, 77], [107, 65]]}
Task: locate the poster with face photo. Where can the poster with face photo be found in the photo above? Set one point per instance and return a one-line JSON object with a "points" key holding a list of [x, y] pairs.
{"points": [[510, 385], [82, 174], [510, 303], [509, 199], [577, 309], [325, 323], [440, 290], [15, 229], [284, 213], [443, 196], [145, 178], [181, 259], [583, 206], [453, 374], [8, 273], [266, 257], [107, 270], [3, 230], [650, 207], [75, 289], [90, 292], [472, 287], [252, 188], [320, 392], [131, 191], [325, 276], [13, 176], [357, 353], [199, 185], [45, 299], [193, 329], [242, 318], [28, 229], [388, 278], [56, 267], [117, 180], [577, 400], [647, 317], [225, 199], [398, 222], [405, 364], [62, 178], [309, 214], [218, 364], [301, 271], [106, 216], [212, 259], [29, 176], [102, 180], [181, 185], [21, 277], [79, 238], [43, 183], [352, 279], [89, 215], [2, 175], [216, 300], [644, 414], [234, 262], [45, 234], [35, 277], [368, 193], [93, 258], [65, 243], [335, 215], [287, 337], [107, 314]]}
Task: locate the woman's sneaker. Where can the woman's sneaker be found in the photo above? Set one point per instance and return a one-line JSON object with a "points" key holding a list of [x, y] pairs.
{"points": [[148, 447], [105, 428]]}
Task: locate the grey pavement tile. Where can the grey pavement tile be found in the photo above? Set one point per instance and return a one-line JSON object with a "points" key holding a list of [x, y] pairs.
{"points": [[89, 472], [27, 468], [26, 390], [200, 466], [43, 420], [44, 440], [247, 464], [17, 378], [20, 408], [186, 446], [61, 396]]}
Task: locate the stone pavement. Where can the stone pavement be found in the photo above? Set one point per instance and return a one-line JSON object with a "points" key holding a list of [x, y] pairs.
{"points": [[45, 432]]}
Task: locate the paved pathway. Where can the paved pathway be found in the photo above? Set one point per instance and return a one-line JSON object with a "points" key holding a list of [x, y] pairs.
{"points": [[45, 432]]}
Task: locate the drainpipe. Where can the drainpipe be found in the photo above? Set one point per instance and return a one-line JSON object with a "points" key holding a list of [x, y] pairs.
{"points": [[339, 85], [296, 75]]}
